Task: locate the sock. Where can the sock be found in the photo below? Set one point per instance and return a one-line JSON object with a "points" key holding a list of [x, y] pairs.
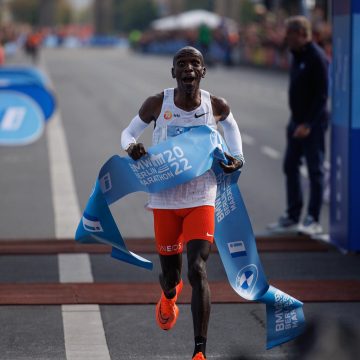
{"points": [[170, 295], [200, 345]]}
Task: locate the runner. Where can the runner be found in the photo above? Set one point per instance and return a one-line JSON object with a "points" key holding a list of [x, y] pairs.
{"points": [[184, 215]]}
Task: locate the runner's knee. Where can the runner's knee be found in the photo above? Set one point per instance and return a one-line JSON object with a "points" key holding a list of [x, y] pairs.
{"points": [[197, 272]]}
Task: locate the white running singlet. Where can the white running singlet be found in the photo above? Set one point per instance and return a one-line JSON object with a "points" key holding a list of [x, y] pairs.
{"points": [[173, 121]]}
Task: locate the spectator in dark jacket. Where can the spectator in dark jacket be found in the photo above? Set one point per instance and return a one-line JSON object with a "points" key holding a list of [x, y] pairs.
{"points": [[308, 92]]}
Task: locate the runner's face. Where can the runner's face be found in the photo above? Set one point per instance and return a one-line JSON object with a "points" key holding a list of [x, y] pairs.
{"points": [[188, 71]]}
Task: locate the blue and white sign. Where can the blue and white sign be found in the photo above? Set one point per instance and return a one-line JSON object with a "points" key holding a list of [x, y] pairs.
{"points": [[21, 120], [174, 162]]}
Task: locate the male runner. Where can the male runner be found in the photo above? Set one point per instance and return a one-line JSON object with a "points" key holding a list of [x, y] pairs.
{"points": [[184, 215]]}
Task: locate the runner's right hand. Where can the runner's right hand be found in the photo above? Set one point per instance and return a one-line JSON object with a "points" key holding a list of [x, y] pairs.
{"points": [[136, 151], [233, 164]]}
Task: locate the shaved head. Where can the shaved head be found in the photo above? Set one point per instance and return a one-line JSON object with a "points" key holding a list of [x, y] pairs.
{"points": [[188, 50]]}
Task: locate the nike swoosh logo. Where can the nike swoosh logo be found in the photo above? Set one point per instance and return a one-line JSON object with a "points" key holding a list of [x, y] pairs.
{"points": [[207, 234], [161, 318], [200, 115]]}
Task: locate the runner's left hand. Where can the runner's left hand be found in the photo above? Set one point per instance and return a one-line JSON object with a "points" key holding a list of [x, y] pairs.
{"points": [[233, 164]]}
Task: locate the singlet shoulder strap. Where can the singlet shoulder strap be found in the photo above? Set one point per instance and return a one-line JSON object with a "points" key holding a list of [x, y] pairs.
{"points": [[206, 104], [168, 96], [205, 95]]}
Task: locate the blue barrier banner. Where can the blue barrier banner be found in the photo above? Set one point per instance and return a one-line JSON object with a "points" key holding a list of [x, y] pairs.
{"points": [[21, 120], [355, 79], [345, 131], [174, 162], [23, 74], [43, 96]]}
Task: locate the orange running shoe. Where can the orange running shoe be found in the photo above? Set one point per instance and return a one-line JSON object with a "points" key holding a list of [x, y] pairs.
{"points": [[199, 356], [167, 311]]}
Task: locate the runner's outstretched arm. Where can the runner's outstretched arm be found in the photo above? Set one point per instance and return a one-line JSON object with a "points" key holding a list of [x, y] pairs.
{"points": [[148, 112]]}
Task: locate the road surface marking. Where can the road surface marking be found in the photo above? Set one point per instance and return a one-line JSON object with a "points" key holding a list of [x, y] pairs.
{"points": [[247, 139], [76, 316], [270, 152], [65, 202], [144, 246], [75, 268], [84, 333], [83, 328]]}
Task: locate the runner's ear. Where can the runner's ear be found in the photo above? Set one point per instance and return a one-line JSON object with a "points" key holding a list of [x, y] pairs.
{"points": [[173, 73], [203, 72]]}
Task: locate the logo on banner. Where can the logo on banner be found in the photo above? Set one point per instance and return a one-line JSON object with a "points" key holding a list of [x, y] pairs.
{"points": [[246, 280], [179, 130], [91, 223], [164, 166], [214, 138], [105, 183], [285, 315], [237, 248]]}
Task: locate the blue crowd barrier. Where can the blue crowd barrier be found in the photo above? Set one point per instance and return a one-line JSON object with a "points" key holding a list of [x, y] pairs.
{"points": [[42, 95], [23, 73], [32, 82]]}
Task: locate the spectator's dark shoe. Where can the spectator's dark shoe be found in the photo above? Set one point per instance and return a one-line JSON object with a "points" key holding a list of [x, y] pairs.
{"points": [[284, 225], [310, 227]]}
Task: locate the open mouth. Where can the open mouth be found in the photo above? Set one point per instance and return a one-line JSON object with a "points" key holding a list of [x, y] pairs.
{"points": [[188, 80]]}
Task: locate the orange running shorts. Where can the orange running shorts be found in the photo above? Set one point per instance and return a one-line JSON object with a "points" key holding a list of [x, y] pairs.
{"points": [[175, 227]]}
